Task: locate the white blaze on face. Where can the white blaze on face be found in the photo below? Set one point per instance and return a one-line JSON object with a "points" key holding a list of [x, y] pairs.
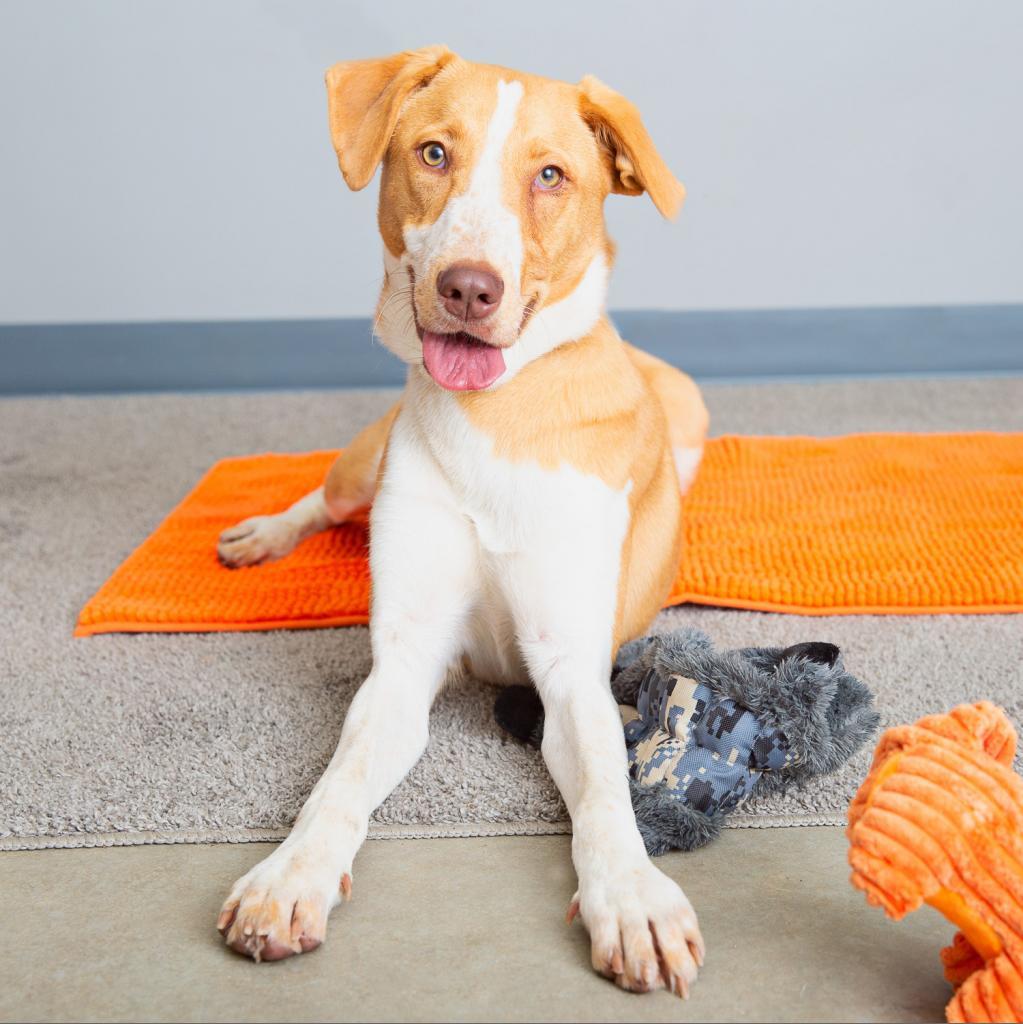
{"points": [[476, 226]]}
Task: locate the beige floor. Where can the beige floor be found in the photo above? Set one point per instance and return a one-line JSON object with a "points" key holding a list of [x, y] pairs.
{"points": [[459, 929]]}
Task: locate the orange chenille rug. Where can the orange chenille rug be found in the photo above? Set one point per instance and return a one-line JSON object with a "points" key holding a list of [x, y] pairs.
{"points": [[869, 523]]}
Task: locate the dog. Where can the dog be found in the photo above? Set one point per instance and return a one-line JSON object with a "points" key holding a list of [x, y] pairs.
{"points": [[525, 491]]}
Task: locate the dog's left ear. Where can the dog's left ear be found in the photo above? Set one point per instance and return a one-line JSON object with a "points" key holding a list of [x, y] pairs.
{"points": [[637, 167], [364, 99]]}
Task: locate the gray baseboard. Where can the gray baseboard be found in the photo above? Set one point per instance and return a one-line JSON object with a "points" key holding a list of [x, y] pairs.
{"points": [[89, 358]]}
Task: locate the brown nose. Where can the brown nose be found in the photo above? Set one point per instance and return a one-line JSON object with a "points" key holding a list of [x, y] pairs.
{"points": [[470, 291]]}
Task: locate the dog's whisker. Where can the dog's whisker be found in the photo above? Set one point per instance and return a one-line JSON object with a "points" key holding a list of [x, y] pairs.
{"points": [[382, 311]]}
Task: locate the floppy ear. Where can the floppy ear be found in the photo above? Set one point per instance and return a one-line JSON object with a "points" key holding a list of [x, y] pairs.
{"points": [[364, 98], [637, 166]]}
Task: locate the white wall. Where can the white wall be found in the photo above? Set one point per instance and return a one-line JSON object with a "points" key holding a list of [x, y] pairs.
{"points": [[170, 160]]}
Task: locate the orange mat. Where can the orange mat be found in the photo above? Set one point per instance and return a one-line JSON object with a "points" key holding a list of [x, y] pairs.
{"points": [[869, 523]]}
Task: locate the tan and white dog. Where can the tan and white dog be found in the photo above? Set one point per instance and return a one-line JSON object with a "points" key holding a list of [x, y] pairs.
{"points": [[525, 490]]}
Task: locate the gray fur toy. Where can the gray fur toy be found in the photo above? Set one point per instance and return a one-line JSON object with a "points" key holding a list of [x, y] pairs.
{"points": [[705, 730]]}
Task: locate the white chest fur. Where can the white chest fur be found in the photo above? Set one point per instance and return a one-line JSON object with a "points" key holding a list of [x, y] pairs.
{"points": [[515, 506], [548, 542]]}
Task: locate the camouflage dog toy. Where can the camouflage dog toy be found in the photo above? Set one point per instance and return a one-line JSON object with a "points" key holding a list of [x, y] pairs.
{"points": [[705, 730]]}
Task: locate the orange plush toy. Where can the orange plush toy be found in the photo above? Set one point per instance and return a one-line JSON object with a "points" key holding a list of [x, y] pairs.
{"points": [[939, 820]]}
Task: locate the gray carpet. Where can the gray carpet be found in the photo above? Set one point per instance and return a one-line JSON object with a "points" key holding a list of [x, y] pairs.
{"points": [[131, 739]]}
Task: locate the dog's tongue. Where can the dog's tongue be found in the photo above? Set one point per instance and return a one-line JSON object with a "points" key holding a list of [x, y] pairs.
{"points": [[461, 363]]}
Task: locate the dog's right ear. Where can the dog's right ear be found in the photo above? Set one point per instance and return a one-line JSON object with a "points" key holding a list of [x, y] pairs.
{"points": [[364, 98], [635, 164]]}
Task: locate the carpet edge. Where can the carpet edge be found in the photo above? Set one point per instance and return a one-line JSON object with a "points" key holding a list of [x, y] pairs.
{"points": [[470, 830]]}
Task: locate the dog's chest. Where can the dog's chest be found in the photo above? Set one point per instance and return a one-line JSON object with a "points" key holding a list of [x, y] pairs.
{"points": [[516, 505]]}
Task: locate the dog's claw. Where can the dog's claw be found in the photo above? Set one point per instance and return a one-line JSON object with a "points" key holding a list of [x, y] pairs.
{"points": [[226, 918], [573, 910]]}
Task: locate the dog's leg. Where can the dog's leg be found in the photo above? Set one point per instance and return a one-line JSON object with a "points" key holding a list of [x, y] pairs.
{"points": [[424, 566], [643, 931], [349, 488], [260, 539]]}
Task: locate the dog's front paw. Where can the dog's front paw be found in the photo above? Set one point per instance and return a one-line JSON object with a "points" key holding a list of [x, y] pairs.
{"points": [[257, 540], [280, 908], [643, 930]]}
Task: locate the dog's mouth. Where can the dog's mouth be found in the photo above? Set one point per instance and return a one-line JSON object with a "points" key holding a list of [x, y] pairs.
{"points": [[460, 362], [457, 361]]}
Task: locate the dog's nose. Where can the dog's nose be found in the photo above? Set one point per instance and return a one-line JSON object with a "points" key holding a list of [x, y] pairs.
{"points": [[470, 291]]}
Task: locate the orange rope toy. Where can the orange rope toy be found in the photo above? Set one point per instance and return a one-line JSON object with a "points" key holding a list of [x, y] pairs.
{"points": [[939, 820]]}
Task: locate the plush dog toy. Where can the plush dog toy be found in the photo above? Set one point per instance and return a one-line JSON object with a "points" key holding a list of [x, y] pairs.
{"points": [[705, 730], [939, 820]]}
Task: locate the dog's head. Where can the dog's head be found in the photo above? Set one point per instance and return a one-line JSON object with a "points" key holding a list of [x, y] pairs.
{"points": [[491, 204]]}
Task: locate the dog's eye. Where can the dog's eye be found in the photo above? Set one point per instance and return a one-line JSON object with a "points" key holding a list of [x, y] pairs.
{"points": [[549, 178], [433, 155]]}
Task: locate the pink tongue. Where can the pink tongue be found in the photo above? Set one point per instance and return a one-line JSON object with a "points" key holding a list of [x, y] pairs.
{"points": [[460, 363]]}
